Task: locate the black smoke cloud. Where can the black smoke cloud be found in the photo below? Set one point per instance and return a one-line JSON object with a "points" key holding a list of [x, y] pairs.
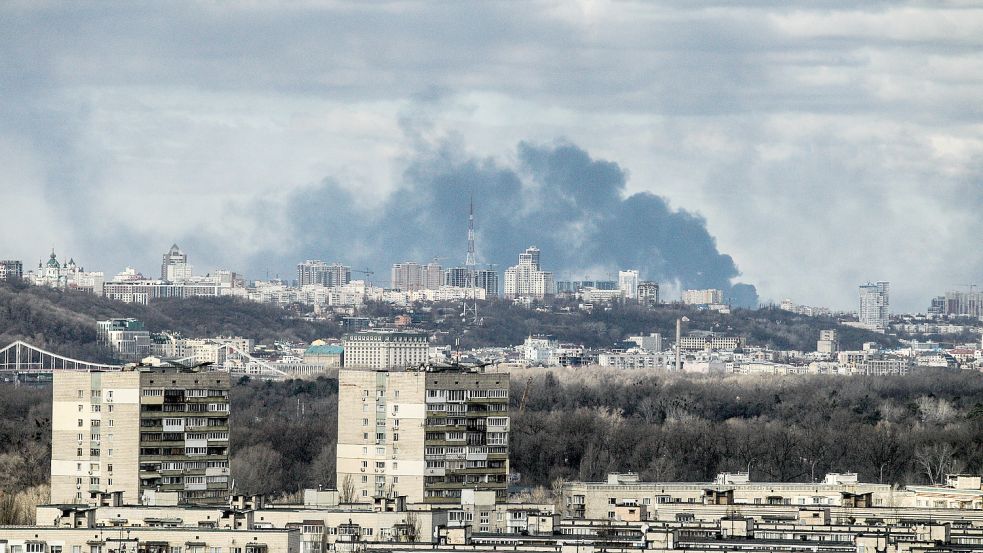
{"points": [[556, 197]]}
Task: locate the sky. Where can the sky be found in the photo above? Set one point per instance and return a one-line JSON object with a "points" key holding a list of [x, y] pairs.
{"points": [[801, 148]]}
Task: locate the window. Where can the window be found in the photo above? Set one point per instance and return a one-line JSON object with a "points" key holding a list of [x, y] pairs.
{"points": [[365, 422], [365, 464], [96, 408], [365, 479], [79, 452], [81, 422], [395, 437], [110, 408]]}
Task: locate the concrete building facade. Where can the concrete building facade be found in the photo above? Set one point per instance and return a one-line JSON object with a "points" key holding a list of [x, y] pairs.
{"points": [[131, 431], [426, 435], [386, 349]]}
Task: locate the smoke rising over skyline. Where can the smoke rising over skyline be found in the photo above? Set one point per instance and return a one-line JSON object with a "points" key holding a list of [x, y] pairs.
{"points": [[555, 196]]}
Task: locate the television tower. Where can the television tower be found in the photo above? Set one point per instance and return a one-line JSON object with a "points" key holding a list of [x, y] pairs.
{"points": [[470, 311]]}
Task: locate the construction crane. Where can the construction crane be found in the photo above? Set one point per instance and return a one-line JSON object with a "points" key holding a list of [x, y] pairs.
{"points": [[368, 274]]}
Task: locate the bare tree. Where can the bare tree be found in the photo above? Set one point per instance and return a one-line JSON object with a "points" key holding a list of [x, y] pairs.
{"points": [[347, 490], [936, 461]]}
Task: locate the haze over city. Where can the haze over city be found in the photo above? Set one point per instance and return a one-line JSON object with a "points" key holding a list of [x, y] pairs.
{"points": [[802, 148]]}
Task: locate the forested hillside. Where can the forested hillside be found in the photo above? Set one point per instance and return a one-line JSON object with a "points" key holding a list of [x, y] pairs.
{"points": [[65, 321]]}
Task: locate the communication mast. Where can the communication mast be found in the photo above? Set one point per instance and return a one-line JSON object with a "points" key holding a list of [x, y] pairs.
{"points": [[470, 311]]}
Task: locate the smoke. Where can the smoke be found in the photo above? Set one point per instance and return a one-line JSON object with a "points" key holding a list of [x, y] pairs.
{"points": [[556, 197]]}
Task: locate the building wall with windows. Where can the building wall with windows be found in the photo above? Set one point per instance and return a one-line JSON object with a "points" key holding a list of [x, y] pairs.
{"points": [[386, 349], [425, 435], [130, 431]]}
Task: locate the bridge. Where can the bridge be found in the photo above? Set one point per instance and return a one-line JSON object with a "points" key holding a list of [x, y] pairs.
{"points": [[22, 357], [26, 359]]}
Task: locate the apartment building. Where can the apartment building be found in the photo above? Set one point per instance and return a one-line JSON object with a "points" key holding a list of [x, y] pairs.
{"points": [[708, 341], [709, 296], [135, 430], [11, 269], [321, 273], [527, 280], [875, 305], [423, 434], [386, 349]]}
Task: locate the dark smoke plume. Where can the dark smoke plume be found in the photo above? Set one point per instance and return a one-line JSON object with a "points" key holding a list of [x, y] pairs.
{"points": [[556, 197]]}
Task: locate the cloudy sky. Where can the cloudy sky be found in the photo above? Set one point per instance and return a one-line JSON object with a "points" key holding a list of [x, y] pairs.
{"points": [[801, 148]]}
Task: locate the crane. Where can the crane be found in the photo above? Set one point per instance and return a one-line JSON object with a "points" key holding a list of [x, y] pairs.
{"points": [[368, 274]]}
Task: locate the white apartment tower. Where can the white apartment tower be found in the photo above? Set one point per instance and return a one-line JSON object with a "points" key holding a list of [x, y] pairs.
{"points": [[628, 283], [527, 280], [875, 305]]}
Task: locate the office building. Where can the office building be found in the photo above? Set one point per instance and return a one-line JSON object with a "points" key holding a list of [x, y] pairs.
{"points": [[703, 297], [322, 273], [526, 280], [132, 431], [648, 293], [127, 337], [386, 349], [11, 270], [875, 305], [628, 284], [427, 435], [174, 266]]}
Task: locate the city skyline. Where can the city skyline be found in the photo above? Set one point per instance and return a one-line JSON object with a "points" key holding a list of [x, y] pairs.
{"points": [[802, 148]]}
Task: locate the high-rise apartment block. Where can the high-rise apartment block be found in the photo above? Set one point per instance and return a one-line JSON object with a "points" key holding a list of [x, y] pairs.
{"points": [[410, 276], [703, 297], [11, 269], [828, 343], [527, 280], [132, 431], [386, 349], [426, 435], [174, 266], [323, 273], [486, 279], [875, 305], [628, 284], [648, 293]]}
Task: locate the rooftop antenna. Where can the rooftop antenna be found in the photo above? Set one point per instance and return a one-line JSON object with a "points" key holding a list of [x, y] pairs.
{"points": [[470, 310]]}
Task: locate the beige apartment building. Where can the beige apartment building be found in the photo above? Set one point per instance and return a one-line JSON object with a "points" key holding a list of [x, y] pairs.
{"points": [[129, 431], [423, 434]]}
